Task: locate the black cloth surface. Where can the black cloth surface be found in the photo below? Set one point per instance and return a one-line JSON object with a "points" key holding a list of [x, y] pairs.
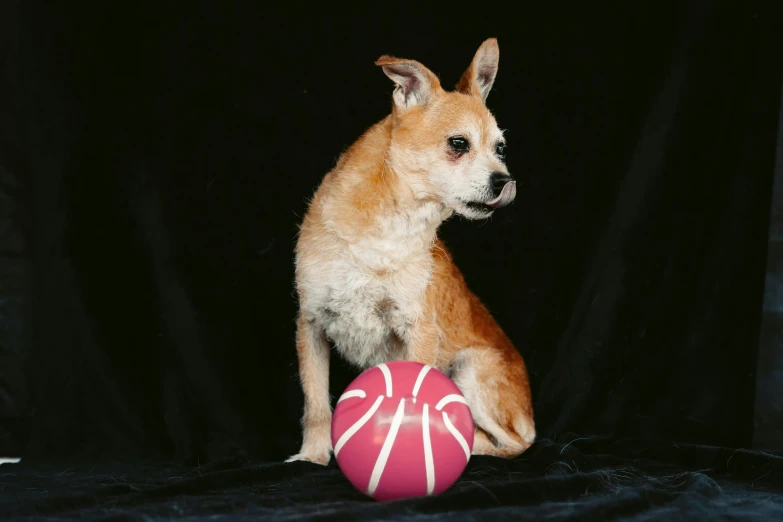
{"points": [[579, 480], [157, 158]]}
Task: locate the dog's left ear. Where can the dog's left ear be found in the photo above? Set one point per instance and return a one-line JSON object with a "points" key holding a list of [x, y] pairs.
{"points": [[415, 84], [479, 77]]}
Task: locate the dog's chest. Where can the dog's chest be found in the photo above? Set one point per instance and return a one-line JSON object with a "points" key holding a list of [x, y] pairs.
{"points": [[367, 296], [367, 314]]}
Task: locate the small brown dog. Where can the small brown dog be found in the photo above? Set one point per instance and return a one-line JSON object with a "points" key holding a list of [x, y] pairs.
{"points": [[372, 276]]}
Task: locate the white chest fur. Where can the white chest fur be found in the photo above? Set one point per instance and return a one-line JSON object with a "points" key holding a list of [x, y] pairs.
{"points": [[366, 293]]}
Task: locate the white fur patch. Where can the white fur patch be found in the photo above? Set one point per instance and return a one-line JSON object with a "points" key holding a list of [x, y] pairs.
{"points": [[365, 294]]}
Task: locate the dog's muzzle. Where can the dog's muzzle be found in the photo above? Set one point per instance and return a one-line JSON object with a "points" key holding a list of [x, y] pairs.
{"points": [[504, 188]]}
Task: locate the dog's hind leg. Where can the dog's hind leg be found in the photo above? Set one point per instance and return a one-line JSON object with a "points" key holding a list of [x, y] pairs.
{"points": [[499, 399]]}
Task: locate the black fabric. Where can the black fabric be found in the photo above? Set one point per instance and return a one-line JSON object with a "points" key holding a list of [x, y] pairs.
{"points": [[768, 419], [156, 161], [15, 265], [580, 480]]}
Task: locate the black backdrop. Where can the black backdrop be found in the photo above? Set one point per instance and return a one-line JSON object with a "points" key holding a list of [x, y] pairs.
{"points": [[156, 161]]}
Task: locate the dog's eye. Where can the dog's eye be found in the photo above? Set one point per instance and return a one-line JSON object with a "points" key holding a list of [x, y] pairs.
{"points": [[459, 144], [500, 150]]}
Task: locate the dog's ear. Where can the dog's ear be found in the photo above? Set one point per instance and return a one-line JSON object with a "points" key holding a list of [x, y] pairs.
{"points": [[415, 84], [479, 77]]}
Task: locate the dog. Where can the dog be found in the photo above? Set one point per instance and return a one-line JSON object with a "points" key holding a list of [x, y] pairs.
{"points": [[374, 280]]}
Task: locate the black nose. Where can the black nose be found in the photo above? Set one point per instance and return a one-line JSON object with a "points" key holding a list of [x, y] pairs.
{"points": [[498, 180]]}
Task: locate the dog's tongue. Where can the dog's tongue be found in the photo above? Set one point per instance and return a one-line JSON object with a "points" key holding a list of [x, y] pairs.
{"points": [[506, 196]]}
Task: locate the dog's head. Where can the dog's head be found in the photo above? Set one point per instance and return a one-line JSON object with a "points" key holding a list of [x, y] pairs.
{"points": [[448, 144]]}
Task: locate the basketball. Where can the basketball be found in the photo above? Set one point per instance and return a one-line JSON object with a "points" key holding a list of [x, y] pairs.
{"points": [[402, 429]]}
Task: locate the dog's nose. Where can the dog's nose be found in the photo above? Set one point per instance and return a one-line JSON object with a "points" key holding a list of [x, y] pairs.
{"points": [[498, 180]]}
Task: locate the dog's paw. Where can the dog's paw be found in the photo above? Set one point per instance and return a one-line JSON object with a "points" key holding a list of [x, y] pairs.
{"points": [[320, 458]]}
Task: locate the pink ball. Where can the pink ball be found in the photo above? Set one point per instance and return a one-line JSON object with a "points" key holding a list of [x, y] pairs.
{"points": [[401, 430]]}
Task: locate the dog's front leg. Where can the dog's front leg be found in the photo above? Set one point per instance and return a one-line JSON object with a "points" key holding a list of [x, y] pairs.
{"points": [[313, 351], [424, 342]]}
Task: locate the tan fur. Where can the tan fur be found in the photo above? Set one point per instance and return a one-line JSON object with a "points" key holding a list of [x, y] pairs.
{"points": [[373, 278]]}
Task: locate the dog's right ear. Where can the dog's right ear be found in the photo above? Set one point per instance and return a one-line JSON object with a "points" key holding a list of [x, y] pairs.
{"points": [[415, 84]]}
